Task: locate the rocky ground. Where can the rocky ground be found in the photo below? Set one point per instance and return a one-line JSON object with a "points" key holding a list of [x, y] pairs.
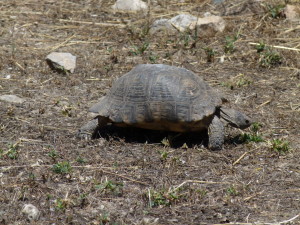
{"points": [[132, 176]]}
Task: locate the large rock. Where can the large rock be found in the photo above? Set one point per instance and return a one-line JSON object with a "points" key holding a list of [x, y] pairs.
{"points": [[130, 5], [11, 98], [62, 61], [292, 12], [207, 26]]}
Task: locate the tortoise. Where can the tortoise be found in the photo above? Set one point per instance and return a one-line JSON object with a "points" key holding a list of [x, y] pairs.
{"points": [[163, 97]]}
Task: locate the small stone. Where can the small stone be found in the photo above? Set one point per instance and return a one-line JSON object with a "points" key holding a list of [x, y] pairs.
{"points": [[207, 26], [11, 98], [212, 24], [62, 61], [183, 21], [162, 25], [31, 211], [130, 5], [292, 12]]}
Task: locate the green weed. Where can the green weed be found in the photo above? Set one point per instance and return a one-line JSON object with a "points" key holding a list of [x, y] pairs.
{"points": [[260, 47], [232, 191], [62, 168], [229, 44], [60, 204], [164, 155], [210, 54], [251, 138], [166, 142], [110, 187], [139, 50], [153, 58], [53, 154], [104, 218], [280, 146], [12, 151], [80, 160], [255, 127], [66, 111], [254, 136], [242, 81], [276, 11], [269, 58], [162, 197]]}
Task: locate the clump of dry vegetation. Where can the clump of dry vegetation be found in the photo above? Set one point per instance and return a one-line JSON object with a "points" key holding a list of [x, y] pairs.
{"points": [[132, 176]]}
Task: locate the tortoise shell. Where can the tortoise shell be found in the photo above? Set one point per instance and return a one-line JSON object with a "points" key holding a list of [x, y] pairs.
{"points": [[159, 97]]}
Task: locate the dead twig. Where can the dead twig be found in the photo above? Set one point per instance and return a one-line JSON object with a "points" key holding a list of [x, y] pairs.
{"points": [[277, 46], [93, 23]]}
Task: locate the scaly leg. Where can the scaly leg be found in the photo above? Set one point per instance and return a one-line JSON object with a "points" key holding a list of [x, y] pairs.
{"points": [[216, 134], [90, 129]]}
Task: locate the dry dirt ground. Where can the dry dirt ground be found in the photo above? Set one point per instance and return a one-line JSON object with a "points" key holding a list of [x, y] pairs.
{"points": [[132, 176]]}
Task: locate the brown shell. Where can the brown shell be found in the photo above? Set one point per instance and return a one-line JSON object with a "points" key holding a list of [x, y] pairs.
{"points": [[159, 97]]}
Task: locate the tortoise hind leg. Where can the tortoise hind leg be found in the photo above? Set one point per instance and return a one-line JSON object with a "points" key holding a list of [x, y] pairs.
{"points": [[90, 129], [216, 134]]}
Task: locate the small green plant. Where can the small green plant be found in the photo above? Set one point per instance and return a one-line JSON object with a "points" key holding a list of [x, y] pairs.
{"points": [[164, 198], [280, 146], [269, 58], [53, 154], [255, 127], [251, 138], [201, 192], [62, 167], [166, 142], [80, 160], [276, 11], [186, 38], [164, 155], [60, 204], [153, 58], [242, 81], [229, 44], [12, 152], [139, 50], [210, 54], [260, 47], [254, 136], [66, 111], [110, 187], [31, 176], [104, 218], [232, 191]]}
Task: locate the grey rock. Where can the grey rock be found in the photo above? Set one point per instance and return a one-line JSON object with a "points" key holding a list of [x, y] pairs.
{"points": [[162, 25], [207, 26], [62, 61], [183, 21], [31, 211], [11, 98]]}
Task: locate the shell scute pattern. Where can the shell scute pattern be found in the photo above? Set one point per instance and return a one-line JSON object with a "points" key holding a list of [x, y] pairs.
{"points": [[151, 93]]}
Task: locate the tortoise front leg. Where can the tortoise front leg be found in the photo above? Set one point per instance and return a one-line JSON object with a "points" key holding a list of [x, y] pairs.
{"points": [[216, 134], [90, 129]]}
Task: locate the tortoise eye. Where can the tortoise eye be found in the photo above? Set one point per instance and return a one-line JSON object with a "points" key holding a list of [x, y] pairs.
{"points": [[247, 121]]}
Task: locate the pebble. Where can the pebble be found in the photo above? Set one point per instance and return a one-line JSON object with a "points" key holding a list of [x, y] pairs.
{"points": [[130, 5], [62, 61], [11, 98]]}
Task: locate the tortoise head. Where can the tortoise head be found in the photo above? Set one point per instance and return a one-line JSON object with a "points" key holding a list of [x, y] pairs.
{"points": [[235, 118]]}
